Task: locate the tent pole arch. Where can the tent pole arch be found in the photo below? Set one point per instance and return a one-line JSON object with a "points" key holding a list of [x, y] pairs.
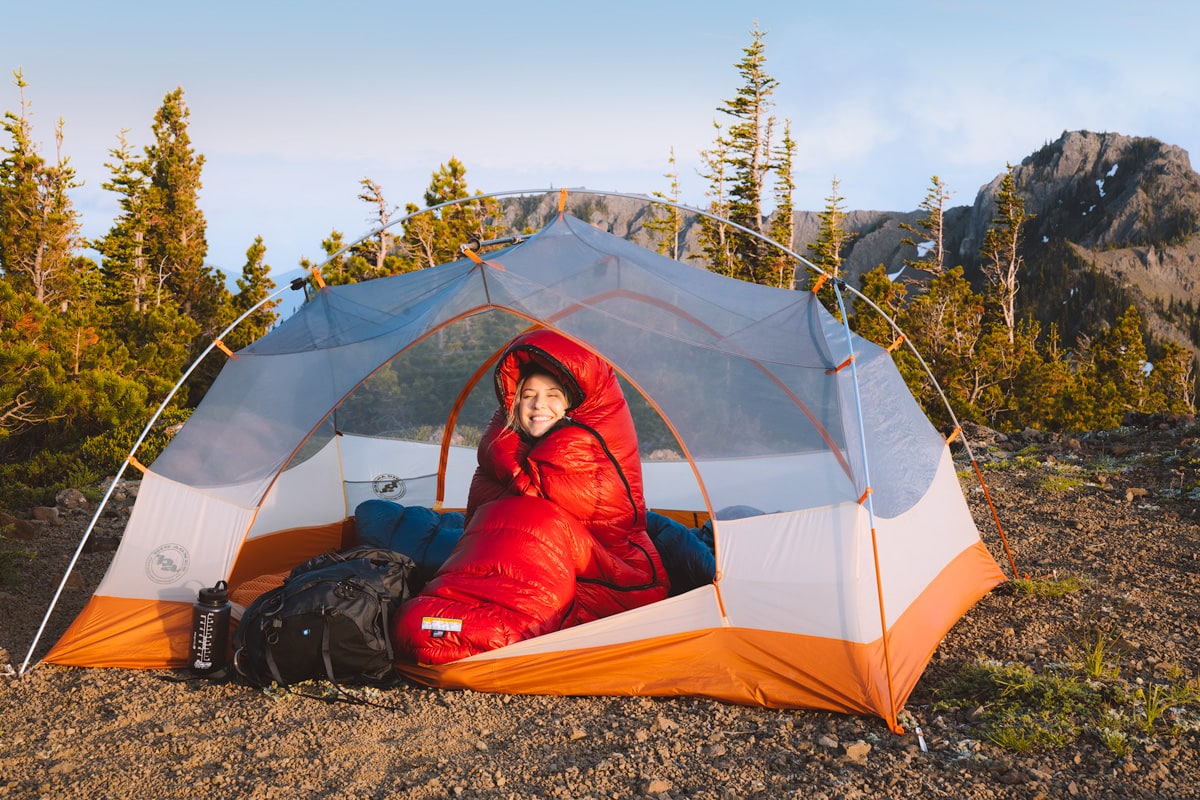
{"points": [[129, 459], [692, 210], [900, 334]]}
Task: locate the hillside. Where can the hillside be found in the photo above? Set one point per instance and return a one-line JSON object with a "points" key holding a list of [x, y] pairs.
{"points": [[1115, 221]]}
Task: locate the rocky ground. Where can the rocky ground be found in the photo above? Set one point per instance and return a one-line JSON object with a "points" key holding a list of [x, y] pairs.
{"points": [[1105, 526]]}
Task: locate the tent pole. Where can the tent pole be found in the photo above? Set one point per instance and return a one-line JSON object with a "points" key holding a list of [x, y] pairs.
{"points": [[892, 717]]}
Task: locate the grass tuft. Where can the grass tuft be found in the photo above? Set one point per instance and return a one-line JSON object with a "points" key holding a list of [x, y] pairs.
{"points": [[1049, 587]]}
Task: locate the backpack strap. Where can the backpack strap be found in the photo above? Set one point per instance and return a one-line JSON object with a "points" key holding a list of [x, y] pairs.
{"points": [[271, 665], [325, 656]]}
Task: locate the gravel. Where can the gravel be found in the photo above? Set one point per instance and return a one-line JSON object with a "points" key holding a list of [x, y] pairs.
{"points": [[1116, 509]]}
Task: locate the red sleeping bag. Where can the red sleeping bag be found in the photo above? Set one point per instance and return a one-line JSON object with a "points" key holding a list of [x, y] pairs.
{"points": [[510, 577], [575, 548]]}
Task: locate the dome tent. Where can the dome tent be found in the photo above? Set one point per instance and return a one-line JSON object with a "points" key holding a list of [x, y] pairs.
{"points": [[859, 553]]}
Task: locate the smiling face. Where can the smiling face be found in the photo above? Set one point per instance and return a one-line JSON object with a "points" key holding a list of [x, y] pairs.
{"points": [[541, 402]]}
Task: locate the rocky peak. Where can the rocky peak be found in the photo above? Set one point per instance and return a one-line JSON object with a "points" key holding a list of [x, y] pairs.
{"points": [[1098, 190]]}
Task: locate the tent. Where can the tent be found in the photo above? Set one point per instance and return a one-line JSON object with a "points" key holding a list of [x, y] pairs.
{"points": [[845, 549]]}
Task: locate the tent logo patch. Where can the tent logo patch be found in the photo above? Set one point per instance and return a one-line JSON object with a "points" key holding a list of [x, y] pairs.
{"points": [[389, 487], [167, 564]]}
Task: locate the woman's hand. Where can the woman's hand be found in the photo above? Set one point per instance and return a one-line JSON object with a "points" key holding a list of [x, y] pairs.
{"points": [[505, 455]]}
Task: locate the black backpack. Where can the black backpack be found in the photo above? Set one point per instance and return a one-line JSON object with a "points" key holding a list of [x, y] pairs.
{"points": [[330, 619]]}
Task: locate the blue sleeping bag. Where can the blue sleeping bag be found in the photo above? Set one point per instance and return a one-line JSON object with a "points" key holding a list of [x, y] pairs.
{"points": [[687, 553], [424, 535]]}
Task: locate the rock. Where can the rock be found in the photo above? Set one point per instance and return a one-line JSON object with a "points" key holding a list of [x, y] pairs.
{"points": [[664, 724], [46, 514], [23, 529], [828, 740], [101, 544], [71, 499], [658, 786], [858, 751], [1134, 493], [1012, 777]]}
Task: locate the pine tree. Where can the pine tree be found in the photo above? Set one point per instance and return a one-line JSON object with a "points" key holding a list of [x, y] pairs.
{"points": [[890, 296], [1042, 390], [748, 155], [1119, 356], [1172, 382], [39, 227], [829, 249], [126, 263], [931, 251], [781, 266], [254, 285], [436, 237], [716, 235], [665, 224], [140, 304], [32, 379], [1001, 250], [341, 266], [945, 324], [377, 251], [175, 233]]}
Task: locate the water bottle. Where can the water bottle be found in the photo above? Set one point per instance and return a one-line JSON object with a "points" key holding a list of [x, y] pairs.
{"points": [[210, 630]]}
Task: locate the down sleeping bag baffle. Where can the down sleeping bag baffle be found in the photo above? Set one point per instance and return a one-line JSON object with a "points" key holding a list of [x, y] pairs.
{"points": [[587, 466]]}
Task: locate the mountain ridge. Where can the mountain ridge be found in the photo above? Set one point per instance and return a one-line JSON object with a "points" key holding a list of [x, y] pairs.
{"points": [[1114, 221]]}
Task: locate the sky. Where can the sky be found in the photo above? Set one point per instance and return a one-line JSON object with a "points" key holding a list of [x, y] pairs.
{"points": [[292, 104]]}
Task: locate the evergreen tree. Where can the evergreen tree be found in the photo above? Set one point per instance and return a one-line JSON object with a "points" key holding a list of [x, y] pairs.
{"points": [[931, 251], [666, 224], [716, 235], [945, 324], [890, 296], [341, 266], [140, 308], [34, 390], [435, 237], [254, 286], [1119, 355], [1172, 382], [377, 251], [1001, 250], [126, 263], [781, 266], [829, 249], [175, 233], [1042, 395], [748, 155], [1001, 357], [39, 227]]}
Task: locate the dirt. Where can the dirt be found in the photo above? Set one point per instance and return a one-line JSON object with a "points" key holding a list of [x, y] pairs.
{"points": [[1114, 512]]}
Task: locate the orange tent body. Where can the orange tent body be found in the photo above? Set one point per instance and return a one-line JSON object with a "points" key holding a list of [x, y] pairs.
{"points": [[844, 546]]}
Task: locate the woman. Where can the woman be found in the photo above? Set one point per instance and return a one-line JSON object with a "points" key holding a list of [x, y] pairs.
{"points": [[558, 491]]}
